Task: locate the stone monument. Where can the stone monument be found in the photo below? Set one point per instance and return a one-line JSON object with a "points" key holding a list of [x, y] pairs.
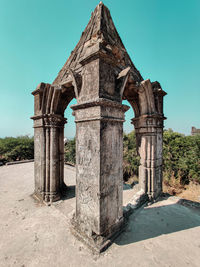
{"points": [[99, 74]]}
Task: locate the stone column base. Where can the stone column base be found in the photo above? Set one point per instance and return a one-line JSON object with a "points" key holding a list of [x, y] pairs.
{"points": [[98, 243], [46, 198]]}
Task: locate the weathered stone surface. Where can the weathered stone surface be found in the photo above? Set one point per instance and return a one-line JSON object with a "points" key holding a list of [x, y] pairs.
{"points": [[99, 74], [99, 177]]}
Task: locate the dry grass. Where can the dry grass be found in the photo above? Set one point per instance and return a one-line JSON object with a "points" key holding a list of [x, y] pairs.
{"points": [[132, 180], [189, 192], [175, 188]]}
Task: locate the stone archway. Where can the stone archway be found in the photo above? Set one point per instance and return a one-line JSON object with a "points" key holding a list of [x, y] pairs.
{"points": [[146, 99], [99, 74]]}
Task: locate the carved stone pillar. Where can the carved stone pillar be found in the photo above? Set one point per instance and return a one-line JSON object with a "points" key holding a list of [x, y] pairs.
{"points": [[99, 174], [149, 132], [49, 158]]}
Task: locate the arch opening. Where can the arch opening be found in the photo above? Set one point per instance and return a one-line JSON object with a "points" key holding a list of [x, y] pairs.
{"points": [[131, 159]]}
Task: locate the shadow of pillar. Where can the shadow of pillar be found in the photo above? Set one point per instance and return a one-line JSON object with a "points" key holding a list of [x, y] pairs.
{"points": [[154, 221]]}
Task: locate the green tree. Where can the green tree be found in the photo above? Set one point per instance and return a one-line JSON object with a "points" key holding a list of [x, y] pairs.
{"points": [[181, 155], [70, 151], [131, 159], [16, 148]]}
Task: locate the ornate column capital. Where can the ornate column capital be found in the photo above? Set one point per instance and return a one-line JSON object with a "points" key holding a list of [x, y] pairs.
{"points": [[49, 120], [53, 121], [148, 121]]}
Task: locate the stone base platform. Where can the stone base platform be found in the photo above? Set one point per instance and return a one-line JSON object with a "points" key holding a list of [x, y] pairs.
{"points": [[99, 243], [165, 233]]}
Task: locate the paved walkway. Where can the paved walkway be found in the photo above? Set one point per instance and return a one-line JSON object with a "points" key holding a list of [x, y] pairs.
{"points": [[163, 234]]}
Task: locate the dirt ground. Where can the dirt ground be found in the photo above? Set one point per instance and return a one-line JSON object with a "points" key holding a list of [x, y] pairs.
{"points": [[165, 233], [189, 192]]}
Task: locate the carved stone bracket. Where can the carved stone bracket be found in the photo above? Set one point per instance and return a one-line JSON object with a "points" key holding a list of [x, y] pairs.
{"points": [[145, 122], [54, 121], [49, 120]]}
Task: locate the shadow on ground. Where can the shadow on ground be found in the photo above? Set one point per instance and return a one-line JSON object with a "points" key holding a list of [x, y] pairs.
{"points": [[127, 186], [69, 192], [154, 221]]}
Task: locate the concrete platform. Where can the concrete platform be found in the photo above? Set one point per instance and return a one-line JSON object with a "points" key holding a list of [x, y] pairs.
{"points": [[163, 234]]}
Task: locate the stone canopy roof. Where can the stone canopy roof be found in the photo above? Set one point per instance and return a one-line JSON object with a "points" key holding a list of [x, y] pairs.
{"points": [[99, 36]]}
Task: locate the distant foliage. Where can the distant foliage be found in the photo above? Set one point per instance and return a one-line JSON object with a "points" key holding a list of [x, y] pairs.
{"points": [[70, 151], [131, 159], [181, 156], [16, 148]]}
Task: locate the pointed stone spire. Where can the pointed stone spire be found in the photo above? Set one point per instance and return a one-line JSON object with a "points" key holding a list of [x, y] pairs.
{"points": [[100, 35]]}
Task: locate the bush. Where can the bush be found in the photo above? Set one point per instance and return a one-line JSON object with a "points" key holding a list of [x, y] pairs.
{"points": [[16, 148], [70, 151], [181, 155], [131, 159]]}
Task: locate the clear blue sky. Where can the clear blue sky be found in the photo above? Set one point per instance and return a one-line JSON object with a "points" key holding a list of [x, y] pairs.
{"points": [[37, 36]]}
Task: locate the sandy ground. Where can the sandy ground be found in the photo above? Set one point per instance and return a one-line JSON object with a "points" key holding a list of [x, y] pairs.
{"points": [[163, 234]]}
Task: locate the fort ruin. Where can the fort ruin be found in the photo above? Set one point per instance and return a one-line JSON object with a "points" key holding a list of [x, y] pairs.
{"points": [[195, 131], [99, 74]]}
